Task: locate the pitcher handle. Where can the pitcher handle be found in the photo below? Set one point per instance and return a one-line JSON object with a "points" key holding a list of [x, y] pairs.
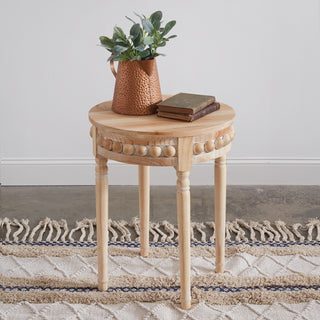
{"points": [[112, 68]]}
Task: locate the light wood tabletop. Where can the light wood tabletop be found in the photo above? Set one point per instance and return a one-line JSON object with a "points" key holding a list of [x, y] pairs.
{"points": [[102, 116], [154, 141]]}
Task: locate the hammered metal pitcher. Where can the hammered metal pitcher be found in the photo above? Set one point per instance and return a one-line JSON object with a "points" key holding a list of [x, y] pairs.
{"points": [[137, 88]]}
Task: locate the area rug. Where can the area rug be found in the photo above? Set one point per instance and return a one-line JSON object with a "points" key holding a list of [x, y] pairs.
{"points": [[271, 269]]}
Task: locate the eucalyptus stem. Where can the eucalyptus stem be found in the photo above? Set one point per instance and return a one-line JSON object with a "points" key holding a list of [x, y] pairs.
{"points": [[143, 41]]}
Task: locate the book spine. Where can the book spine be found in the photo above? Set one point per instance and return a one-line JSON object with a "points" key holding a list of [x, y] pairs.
{"points": [[203, 105], [188, 117], [213, 107], [176, 116], [174, 110]]}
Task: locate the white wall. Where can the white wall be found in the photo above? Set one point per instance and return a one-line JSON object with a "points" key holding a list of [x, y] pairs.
{"points": [[261, 57]]}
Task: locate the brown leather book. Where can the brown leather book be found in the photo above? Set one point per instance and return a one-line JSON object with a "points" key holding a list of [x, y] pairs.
{"points": [[187, 103], [190, 117]]}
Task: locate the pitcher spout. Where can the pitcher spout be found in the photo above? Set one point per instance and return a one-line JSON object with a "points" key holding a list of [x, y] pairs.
{"points": [[148, 66]]}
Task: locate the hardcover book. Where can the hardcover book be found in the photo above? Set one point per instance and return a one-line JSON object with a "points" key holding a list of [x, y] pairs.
{"points": [[190, 117], [187, 103]]}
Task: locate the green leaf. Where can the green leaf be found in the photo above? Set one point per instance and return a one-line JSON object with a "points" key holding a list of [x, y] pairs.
{"points": [[114, 57], [173, 36], [137, 41], [138, 15], [147, 25], [121, 43], [145, 53], [157, 15], [135, 31], [162, 44], [148, 40], [168, 27], [155, 19], [135, 58], [118, 33], [157, 24], [105, 41], [140, 47], [118, 49], [130, 19]]}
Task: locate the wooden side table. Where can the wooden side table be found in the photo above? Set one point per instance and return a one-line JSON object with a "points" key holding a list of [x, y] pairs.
{"points": [[153, 141]]}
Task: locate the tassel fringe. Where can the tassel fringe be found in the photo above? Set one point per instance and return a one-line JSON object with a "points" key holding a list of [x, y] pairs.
{"points": [[85, 230]]}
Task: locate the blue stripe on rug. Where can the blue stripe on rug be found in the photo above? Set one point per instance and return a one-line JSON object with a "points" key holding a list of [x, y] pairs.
{"points": [[158, 289], [136, 244]]}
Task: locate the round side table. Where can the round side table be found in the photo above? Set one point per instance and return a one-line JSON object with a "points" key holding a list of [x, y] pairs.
{"points": [[154, 141]]}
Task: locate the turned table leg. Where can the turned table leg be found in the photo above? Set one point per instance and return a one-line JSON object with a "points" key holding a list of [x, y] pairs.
{"points": [[183, 210], [102, 221], [220, 210], [144, 204]]}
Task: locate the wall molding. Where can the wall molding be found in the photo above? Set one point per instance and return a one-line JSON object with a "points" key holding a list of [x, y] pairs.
{"points": [[72, 171]]}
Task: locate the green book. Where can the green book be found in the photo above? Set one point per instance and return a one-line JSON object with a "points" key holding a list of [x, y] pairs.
{"points": [[187, 103], [190, 117]]}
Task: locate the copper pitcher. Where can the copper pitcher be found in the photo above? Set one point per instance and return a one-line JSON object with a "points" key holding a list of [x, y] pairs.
{"points": [[137, 88]]}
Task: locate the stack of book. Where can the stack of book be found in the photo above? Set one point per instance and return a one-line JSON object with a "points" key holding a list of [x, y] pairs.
{"points": [[187, 106]]}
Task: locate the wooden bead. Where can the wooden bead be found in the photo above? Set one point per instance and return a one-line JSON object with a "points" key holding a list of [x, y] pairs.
{"points": [[219, 143], [141, 151], [117, 146], [169, 151], [198, 148], [232, 133], [128, 149], [107, 144], [227, 139], [209, 146], [155, 152]]}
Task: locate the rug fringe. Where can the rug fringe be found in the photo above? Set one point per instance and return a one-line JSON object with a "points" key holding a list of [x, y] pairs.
{"points": [[84, 230]]}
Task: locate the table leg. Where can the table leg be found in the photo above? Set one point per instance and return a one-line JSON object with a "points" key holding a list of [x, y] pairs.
{"points": [[144, 205], [102, 221], [220, 210], [183, 210]]}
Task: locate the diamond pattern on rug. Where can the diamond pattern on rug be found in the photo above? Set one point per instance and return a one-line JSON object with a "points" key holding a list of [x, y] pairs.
{"points": [[160, 311], [76, 266]]}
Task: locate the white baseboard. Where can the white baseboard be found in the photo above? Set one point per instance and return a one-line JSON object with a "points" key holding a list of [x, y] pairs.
{"points": [[81, 172]]}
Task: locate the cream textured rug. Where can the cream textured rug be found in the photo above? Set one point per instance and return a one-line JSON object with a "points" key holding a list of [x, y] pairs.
{"points": [[272, 272]]}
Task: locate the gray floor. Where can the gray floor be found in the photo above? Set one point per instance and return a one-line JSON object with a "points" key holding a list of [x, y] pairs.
{"points": [[289, 203]]}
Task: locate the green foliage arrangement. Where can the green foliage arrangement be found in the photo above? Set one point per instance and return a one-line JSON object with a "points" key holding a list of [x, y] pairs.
{"points": [[143, 41]]}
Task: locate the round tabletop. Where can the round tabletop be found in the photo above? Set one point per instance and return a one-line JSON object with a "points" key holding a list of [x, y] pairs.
{"points": [[102, 116], [154, 141]]}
